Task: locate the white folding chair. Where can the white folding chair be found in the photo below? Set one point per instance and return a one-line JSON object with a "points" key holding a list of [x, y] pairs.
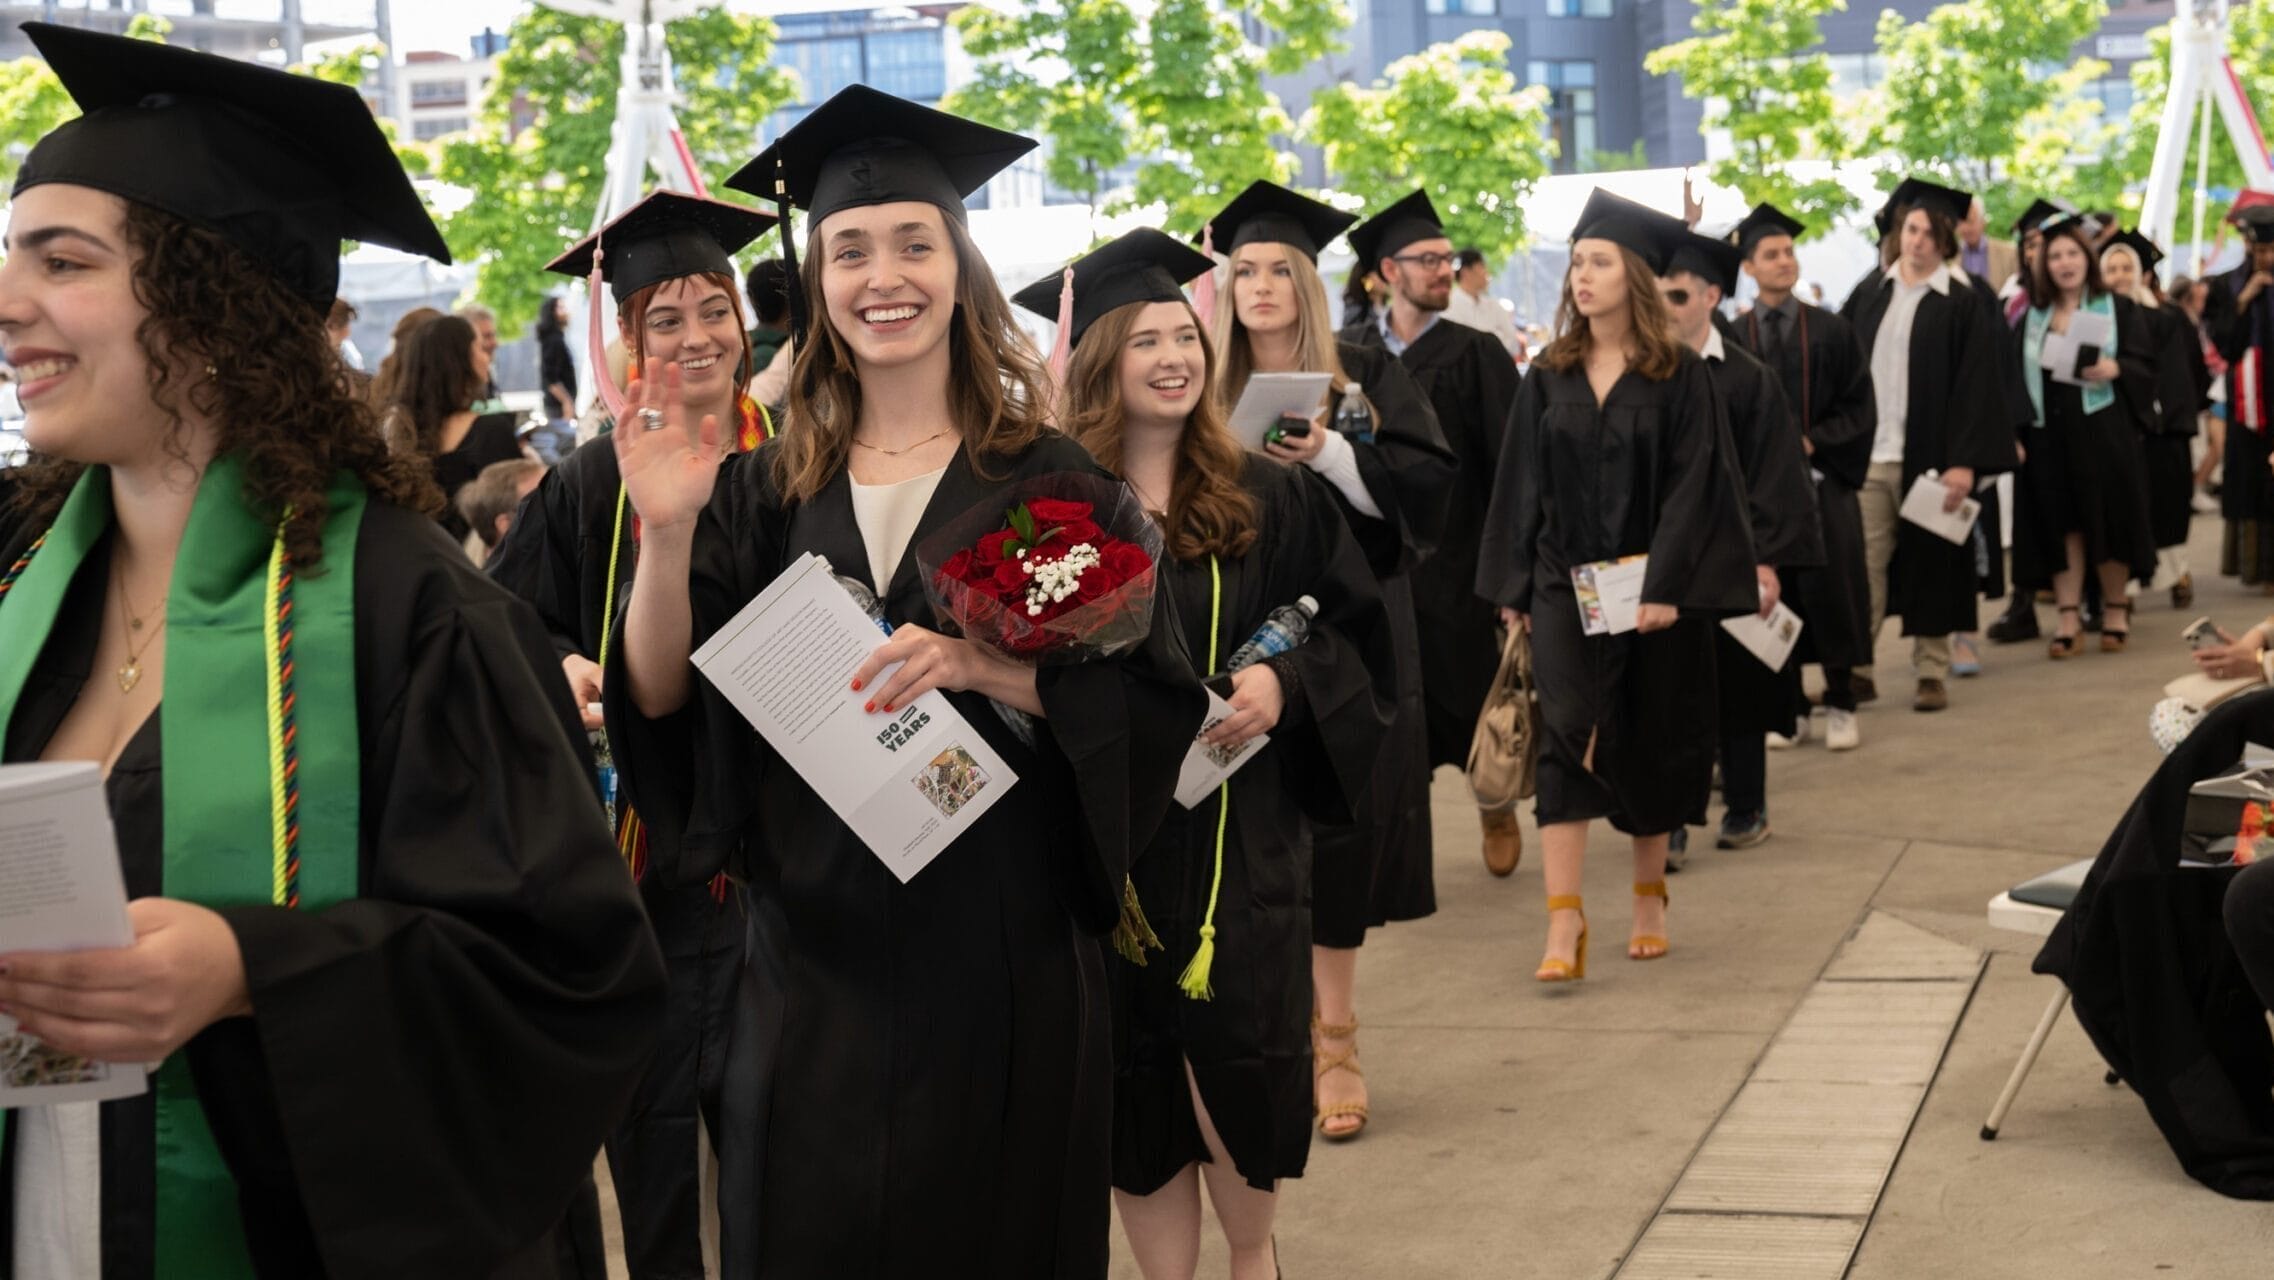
{"points": [[2034, 907]]}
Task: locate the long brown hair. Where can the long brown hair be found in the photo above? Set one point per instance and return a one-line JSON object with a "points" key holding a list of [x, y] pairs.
{"points": [[434, 381], [631, 318], [2043, 292], [996, 379], [1210, 511], [1657, 352], [1315, 346], [382, 389], [278, 396]]}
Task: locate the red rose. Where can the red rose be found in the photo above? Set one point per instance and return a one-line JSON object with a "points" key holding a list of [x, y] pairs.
{"points": [[1076, 532], [1011, 578], [958, 567], [991, 547], [1056, 511], [1124, 561]]}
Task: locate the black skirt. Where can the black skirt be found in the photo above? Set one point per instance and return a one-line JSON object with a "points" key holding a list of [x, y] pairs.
{"points": [[2083, 476], [1379, 868]]}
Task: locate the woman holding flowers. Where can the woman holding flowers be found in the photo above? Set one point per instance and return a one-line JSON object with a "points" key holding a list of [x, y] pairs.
{"points": [[917, 1082], [1212, 990]]}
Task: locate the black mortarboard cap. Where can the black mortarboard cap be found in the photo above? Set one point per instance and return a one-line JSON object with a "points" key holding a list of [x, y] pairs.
{"points": [[2140, 245], [2038, 213], [2253, 211], [1267, 213], [1706, 258], [1917, 193], [282, 166], [665, 236], [2084, 223], [866, 147], [1383, 235], [1141, 266], [1764, 221], [1653, 236]]}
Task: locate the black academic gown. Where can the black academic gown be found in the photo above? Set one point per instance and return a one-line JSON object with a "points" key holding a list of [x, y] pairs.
{"points": [[1960, 416], [1990, 574], [557, 557], [1781, 506], [433, 1064], [1379, 867], [1627, 723], [919, 1078], [2246, 495], [2082, 472], [1249, 1046], [2183, 391], [1827, 382], [490, 438], [1470, 381], [2157, 984]]}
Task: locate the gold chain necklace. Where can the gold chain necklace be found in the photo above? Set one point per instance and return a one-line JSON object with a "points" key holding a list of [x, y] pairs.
{"points": [[130, 672], [894, 453]]}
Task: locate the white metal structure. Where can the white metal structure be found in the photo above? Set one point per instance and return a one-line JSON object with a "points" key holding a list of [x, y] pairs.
{"points": [[645, 134], [2201, 77]]}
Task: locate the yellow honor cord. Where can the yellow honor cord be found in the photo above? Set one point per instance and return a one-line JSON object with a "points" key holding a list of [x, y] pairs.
{"points": [[1195, 980], [279, 820]]}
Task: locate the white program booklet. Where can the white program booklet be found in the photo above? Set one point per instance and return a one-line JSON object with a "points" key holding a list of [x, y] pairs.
{"points": [[1270, 397], [1610, 594], [1770, 639], [907, 783], [1206, 767], [60, 890], [2062, 351], [1922, 506]]}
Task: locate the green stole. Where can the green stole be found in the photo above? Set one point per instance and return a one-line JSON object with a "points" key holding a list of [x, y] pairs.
{"points": [[2095, 395], [246, 791]]}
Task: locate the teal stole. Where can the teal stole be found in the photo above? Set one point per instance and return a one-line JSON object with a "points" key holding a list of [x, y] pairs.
{"points": [[2039, 322], [237, 767]]}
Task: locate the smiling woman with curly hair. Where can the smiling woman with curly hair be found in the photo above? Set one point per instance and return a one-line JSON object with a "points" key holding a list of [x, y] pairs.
{"points": [[338, 762]]}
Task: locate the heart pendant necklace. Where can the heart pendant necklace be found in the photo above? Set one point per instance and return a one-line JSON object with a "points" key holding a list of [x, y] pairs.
{"points": [[130, 671]]}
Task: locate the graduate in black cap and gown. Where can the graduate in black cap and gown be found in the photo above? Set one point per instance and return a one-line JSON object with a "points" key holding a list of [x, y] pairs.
{"points": [[571, 553], [2030, 562], [1827, 385], [2238, 310], [1212, 1051], [1619, 447], [1781, 505], [1471, 382], [925, 1087], [1377, 444], [2128, 263], [397, 982], [1937, 361]]}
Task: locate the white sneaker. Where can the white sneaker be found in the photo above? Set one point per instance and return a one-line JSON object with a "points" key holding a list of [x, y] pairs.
{"points": [[1779, 742], [1840, 732]]}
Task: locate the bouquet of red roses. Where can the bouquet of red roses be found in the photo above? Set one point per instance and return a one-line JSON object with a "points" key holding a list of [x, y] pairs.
{"points": [[1058, 568]]}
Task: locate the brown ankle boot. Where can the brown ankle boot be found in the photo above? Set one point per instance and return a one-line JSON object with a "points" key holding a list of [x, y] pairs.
{"points": [[1503, 841]]}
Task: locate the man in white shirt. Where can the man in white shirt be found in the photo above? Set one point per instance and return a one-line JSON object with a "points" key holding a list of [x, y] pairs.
{"points": [[1478, 309]]}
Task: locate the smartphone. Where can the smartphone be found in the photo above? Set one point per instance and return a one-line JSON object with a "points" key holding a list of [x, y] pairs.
{"points": [[2087, 357], [1295, 428], [2201, 634]]}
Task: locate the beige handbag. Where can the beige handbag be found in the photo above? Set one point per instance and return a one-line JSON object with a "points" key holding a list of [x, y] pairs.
{"points": [[1505, 753]]}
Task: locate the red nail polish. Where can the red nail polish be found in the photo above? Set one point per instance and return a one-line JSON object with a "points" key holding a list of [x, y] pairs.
{"points": [[856, 686], [888, 706], [868, 706]]}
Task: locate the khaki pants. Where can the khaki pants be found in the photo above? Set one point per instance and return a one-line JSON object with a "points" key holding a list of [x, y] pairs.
{"points": [[1882, 499]]}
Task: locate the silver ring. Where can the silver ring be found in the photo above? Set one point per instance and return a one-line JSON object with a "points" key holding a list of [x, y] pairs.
{"points": [[651, 419]]}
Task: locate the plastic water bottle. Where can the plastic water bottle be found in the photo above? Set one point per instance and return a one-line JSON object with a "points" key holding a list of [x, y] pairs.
{"points": [[861, 595], [1283, 630], [1351, 418]]}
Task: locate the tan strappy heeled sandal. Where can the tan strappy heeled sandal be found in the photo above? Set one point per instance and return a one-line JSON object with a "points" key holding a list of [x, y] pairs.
{"points": [[1346, 1060]]}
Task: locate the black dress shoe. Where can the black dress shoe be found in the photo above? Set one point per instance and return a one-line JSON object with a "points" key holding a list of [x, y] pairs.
{"points": [[1864, 688], [2017, 625]]}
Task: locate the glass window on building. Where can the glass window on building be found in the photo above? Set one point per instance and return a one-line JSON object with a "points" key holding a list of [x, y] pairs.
{"points": [[2115, 96], [822, 66], [1466, 8], [1579, 8], [1571, 111], [439, 126], [911, 64], [1853, 73]]}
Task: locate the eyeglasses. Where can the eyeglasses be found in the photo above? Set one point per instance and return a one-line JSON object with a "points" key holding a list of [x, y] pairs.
{"points": [[1425, 261], [1676, 297]]}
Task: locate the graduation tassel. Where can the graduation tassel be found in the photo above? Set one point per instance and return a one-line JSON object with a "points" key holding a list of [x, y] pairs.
{"points": [[1195, 982], [1204, 291], [1134, 936], [596, 345], [1062, 349], [794, 286]]}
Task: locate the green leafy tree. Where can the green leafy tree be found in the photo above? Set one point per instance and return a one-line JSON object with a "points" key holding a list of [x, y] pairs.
{"points": [[32, 100], [1451, 120], [1175, 91], [1750, 64], [538, 188], [2125, 162], [1962, 91]]}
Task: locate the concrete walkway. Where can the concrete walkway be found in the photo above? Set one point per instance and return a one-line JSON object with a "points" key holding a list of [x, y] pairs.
{"points": [[1527, 1131]]}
